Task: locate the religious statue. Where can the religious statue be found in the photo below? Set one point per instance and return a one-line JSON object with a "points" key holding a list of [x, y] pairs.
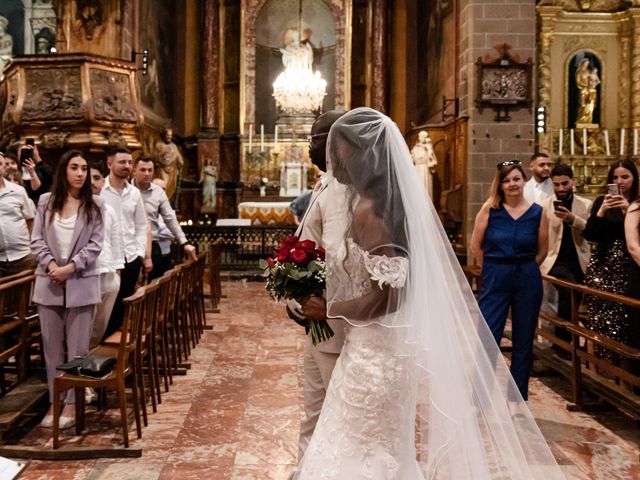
{"points": [[296, 54], [6, 44], [208, 178], [425, 161], [587, 81], [170, 161]]}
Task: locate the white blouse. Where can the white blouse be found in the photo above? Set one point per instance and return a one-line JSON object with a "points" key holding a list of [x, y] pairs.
{"points": [[64, 231]]}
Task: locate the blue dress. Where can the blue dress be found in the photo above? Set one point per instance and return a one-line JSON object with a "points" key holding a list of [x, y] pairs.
{"points": [[511, 279]]}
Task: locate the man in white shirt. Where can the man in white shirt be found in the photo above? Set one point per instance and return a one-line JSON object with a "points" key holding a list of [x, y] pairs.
{"points": [[110, 261], [157, 206], [17, 213], [127, 202], [539, 185]]}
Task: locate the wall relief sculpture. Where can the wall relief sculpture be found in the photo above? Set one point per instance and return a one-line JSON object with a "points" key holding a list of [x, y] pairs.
{"points": [[53, 94], [111, 96]]}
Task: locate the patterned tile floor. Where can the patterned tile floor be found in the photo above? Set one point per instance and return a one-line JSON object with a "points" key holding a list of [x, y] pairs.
{"points": [[236, 414]]}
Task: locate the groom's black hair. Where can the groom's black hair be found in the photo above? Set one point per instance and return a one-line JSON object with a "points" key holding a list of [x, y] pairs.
{"points": [[321, 126]]}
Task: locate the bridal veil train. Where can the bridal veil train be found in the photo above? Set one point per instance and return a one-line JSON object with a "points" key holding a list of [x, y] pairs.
{"points": [[420, 390]]}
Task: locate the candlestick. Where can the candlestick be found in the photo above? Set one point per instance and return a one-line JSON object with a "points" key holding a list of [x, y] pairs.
{"points": [[250, 137], [606, 142], [584, 142], [262, 137], [635, 142], [572, 142], [560, 144], [276, 138], [621, 142]]}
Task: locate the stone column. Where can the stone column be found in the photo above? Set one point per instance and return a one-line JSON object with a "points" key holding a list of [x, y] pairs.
{"points": [[380, 77], [635, 69], [209, 135]]}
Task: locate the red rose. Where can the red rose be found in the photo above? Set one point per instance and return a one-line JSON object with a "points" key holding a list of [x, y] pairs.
{"points": [[308, 245], [283, 255], [270, 262], [321, 253], [299, 257], [288, 242]]}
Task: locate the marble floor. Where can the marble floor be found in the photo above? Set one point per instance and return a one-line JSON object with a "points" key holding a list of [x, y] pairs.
{"points": [[236, 414]]}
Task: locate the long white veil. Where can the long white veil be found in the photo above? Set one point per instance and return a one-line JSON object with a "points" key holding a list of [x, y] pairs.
{"points": [[471, 420]]}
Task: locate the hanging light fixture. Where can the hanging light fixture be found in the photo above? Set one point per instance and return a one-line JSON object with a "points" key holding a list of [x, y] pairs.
{"points": [[298, 89]]}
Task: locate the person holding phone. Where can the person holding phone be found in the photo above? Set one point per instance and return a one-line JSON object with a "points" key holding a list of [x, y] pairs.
{"points": [[36, 174], [609, 266], [569, 252]]}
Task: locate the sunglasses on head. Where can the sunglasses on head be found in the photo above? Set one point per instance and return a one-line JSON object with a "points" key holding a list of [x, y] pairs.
{"points": [[317, 136], [509, 163]]}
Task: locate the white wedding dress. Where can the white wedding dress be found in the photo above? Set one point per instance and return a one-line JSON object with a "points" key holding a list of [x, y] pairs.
{"points": [[366, 429]]}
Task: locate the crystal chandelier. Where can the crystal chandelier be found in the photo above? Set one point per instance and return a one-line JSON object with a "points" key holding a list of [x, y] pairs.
{"points": [[298, 89]]}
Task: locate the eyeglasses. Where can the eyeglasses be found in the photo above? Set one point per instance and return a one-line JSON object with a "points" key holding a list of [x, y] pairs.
{"points": [[316, 137], [509, 163]]}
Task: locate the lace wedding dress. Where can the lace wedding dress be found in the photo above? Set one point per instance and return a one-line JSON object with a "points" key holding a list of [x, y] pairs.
{"points": [[366, 429]]}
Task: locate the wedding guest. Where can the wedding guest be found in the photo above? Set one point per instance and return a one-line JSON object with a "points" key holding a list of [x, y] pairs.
{"points": [[127, 202], [110, 260], [156, 205], [37, 175], [17, 212], [609, 266], [632, 236], [509, 241], [539, 185], [569, 252], [67, 239]]}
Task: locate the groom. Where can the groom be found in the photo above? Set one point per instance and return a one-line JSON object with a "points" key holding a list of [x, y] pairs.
{"points": [[327, 231]]}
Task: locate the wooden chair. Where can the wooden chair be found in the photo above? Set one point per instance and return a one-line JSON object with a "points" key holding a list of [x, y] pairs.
{"points": [[198, 291], [215, 261], [125, 367], [183, 308], [172, 321], [161, 333]]}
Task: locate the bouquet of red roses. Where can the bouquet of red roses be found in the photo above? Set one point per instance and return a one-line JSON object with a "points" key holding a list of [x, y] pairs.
{"points": [[296, 270]]}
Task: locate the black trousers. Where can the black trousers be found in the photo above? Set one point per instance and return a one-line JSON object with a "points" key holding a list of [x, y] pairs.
{"points": [[570, 273], [161, 263], [128, 280]]}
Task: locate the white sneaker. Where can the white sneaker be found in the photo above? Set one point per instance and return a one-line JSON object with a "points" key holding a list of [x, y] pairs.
{"points": [[90, 395]]}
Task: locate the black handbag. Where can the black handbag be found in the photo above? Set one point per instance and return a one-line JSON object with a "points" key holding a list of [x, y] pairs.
{"points": [[91, 365]]}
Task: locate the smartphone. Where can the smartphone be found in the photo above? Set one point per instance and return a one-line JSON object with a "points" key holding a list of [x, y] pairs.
{"points": [[27, 153], [557, 204], [613, 189]]}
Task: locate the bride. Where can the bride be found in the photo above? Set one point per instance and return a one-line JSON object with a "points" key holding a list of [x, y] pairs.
{"points": [[420, 390]]}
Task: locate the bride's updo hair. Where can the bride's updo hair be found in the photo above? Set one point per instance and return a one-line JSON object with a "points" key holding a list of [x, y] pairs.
{"points": [[359, 156]]}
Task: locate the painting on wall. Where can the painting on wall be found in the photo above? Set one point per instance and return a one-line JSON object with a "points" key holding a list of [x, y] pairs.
{"points": [[277, 25], [584, 76], [158, 35], [436, 40]]}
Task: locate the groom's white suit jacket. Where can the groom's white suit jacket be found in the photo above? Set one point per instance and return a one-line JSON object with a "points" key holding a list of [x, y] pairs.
{"points": [[324, 222]]}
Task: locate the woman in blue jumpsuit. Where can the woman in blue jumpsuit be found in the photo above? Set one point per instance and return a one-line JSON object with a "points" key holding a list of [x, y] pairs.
{"points": [[509, 241]]}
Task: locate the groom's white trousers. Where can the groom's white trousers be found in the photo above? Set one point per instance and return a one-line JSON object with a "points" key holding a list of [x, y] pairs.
{"points": [[318, 367]]}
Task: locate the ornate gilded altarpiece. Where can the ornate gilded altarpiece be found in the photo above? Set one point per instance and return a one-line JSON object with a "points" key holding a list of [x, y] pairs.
{"points": [[588, 67]]}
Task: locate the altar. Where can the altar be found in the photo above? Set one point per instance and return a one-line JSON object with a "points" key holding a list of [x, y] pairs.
{"points": [[266, 213]]}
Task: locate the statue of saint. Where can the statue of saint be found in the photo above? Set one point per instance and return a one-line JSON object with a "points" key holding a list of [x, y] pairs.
{"points": [[6, 44], [296, 54], [425, 161], [170, 161], [208, 178], [587, 81]]}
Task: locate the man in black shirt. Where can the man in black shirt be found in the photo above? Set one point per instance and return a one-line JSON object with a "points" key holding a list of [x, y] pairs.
{"points": [[36, 174], [569, 252]]}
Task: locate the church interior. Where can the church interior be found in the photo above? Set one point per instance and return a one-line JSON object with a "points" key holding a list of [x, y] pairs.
{"points": [[223, 94]]}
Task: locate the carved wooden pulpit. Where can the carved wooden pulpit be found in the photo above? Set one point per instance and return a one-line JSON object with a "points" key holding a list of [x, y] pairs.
{"points": [[70, 101]]}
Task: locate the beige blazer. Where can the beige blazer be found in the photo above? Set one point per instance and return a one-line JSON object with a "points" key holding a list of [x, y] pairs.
{"points": [[581, 208], [327, 231]]}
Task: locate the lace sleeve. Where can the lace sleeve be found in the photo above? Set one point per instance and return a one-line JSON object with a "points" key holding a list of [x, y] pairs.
{"points": [[387, 270]]}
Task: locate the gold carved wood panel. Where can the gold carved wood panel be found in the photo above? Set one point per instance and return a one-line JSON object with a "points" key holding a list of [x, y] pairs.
{"points": [[53, 94]]}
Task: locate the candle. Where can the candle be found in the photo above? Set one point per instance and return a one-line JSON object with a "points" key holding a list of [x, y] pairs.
{"points": [[606, 142], [584, 141], [635, 142], [276, 141], [560, 144], [250, 136], [621, 142], [262, 137], [572, 142]]}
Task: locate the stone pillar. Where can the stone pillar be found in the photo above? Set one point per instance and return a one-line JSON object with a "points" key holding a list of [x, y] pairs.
{"points": [[209, 135], [380, 59], [635, 69]]}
